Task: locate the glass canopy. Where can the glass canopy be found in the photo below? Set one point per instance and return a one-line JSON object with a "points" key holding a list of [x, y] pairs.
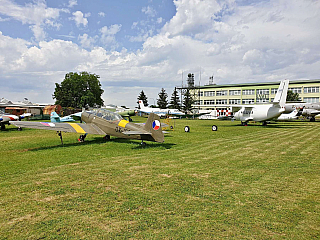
{"points": [[105, 114]]}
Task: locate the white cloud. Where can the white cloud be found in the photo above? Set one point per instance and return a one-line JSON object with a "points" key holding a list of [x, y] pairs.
{"points": [[149, 11], [101, 14], [36, 14], [79, 19], [87, 41], [108, 34], [72, 3]]}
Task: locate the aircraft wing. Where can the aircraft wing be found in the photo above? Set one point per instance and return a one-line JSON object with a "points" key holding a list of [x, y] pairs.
{"points": [[136, 133], [315, 112], [64, 127]]}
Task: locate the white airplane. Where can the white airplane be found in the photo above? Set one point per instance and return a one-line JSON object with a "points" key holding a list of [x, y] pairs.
{"points": [[5, 118], [305, 109], [289, 116], [160, 112], [265, 112]]}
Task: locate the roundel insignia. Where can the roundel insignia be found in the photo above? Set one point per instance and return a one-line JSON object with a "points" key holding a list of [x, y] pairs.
{"points": [[156, 124]]}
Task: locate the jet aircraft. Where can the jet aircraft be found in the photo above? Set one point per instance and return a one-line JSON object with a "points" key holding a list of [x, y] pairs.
{"points": [[159, 111], [103, 122], [5, 118], [305, 109], [289, 116], [263, 112]]}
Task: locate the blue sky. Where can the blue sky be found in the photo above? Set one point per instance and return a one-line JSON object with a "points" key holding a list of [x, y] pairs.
{"points": [[148, 44]]}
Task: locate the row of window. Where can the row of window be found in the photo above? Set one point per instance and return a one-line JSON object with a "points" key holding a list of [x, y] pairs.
{"points": [[253, 91], [246, 101]]}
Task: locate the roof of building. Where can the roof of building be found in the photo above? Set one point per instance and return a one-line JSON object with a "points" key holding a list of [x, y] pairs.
{"points": [[257, 84]]}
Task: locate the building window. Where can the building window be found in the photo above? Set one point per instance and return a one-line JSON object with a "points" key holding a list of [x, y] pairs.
{"points": [[234, 92], [209, 93], [263, 91], [311, 90], [222, 93], [200, 94], [234, 101], [311, 99], [262, 100], [221, 101], [296, 90], [248, 92], [208, 102], [274, 90], [247, 101]]}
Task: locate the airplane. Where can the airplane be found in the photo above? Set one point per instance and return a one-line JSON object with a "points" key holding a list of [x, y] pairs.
{"points": [[289, 116], [6, 118], [54, 117], [263, 112], [305, 109], [160, 112], [124, 112], [103, 122]]}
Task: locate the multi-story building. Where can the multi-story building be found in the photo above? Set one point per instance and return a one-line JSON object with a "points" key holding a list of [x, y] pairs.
{"points": [[221, 97]]}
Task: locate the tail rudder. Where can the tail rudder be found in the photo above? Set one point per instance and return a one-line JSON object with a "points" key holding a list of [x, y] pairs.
{"points": [[54, 117], [281, 95], [153, 125], [141, 104]]}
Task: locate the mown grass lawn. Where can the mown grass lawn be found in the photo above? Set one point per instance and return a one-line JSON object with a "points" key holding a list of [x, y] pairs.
{"points": [[240, 182]]}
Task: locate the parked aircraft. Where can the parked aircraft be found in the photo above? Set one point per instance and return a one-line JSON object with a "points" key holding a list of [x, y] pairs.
{"points": [[305, 109], [265, 112], [289, 116], [160, 112], [54, 117], [103, 122], [5, 118]]}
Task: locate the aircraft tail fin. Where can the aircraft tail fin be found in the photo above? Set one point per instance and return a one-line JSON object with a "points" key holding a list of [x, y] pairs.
{"points": [[281, 95], [153, 125], [54, 117], [141, 104]]}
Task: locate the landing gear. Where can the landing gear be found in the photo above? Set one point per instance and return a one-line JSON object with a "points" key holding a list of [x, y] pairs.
{"points": [[312, 119], [106, 137], [214, 128], [82, 137], [60, 135], [244, 123], [3, 127], [143, 144], [19, 129], [264, 123]]}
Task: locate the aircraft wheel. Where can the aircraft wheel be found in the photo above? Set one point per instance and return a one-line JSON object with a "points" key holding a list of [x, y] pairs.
{"points": [[107, 137], [312, 119], [171, 127], [3, 127], [81, 138], [187, 129], [214, 128], [143, 144], [19, 129]]}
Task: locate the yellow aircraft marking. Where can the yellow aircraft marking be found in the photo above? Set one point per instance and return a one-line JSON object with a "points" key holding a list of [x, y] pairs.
{"points": [[77, 128], [123, 123]]}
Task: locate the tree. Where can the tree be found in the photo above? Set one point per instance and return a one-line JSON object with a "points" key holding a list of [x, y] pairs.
{"points": [[175, 100], [162, 100], [293, 97], [144, 98], [187, 102], [79, 90]]}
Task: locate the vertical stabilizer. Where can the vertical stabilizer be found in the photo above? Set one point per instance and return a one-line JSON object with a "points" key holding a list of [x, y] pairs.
{"points": [[141, 104], [153, 125], [281, 95], [54, 117]]}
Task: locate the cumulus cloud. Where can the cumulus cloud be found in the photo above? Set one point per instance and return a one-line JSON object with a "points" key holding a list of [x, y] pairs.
{"points": [[79, 19], [149, 11], [36, 14], [72, 3], [108, 34]]}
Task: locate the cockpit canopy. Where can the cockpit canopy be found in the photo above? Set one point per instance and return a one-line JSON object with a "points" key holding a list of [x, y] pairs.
{"points": [[105, 114]]}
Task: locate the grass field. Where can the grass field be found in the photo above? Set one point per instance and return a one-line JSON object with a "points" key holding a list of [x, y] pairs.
{"points": [[240, 182]]}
